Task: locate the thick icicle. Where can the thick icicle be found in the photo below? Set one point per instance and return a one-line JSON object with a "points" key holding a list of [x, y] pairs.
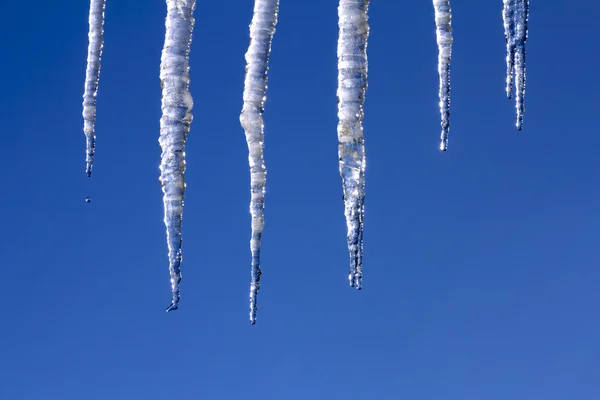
{"points": [[92, 76], [508, 15], [516, 16], [262, 29], [352, 85], [521, 20], [174, 127], [443, 23]]}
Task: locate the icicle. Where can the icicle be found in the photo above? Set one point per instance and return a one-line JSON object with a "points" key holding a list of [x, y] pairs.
{"points": [[443, 21], [92, 76], [174, 127], [521, 19], [508, 15], [352, 85], [262, 29], [516, 15]]}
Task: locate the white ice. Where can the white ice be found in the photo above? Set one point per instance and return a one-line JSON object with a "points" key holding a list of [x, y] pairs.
{"points": [[92, 76]]}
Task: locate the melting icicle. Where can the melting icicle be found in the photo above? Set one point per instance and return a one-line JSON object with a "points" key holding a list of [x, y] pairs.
{"points": [[92, 76], [508, 15], [516, 16], [352, 85], [522, 18], [443, 20], [262, 29], [174, 126]]}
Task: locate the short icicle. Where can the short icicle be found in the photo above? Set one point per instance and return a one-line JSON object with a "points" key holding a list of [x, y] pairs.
{"points": [[508, 16], [443, 23], [352, 86], [521, 21], [262, 29], [515, 14], [92, 76], [174, 126]]}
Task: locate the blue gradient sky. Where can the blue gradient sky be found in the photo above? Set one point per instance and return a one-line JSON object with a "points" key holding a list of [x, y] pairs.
{"points": [[481, 264]]}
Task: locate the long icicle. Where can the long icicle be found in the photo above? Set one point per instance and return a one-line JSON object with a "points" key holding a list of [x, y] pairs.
{"points": [[443, 23], [92, 76], [352, 85], [521, 20], [508, 16], [262, 29], [174, 126]]}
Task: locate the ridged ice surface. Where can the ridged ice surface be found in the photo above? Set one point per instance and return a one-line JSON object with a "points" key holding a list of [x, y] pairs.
{"points": [[516, 17], [92, 76], [352, 85], [262, 29], [443, 24], [174, 126]]}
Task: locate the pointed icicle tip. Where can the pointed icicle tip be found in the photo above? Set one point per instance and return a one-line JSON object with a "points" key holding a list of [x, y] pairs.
{"points": [[172, 307]]}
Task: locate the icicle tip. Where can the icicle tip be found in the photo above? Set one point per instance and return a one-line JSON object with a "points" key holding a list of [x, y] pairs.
{"points": [[172, 307]]}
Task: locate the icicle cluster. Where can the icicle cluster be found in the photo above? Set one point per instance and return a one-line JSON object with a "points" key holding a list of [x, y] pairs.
{"points": [[177, 104], [443, 21], [516, 16], [174, 127], [262, 29], [92, 76], [352, 85]]}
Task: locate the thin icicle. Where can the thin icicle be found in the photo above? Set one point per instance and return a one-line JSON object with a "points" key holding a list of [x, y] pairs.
{"points": [[508, 15], [516, 16], [174, 126], [262, 30], [352, 85], [443, 23], [521, 19], [92, 76]]}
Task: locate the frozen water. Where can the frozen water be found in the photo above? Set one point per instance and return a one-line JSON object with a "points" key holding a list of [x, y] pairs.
{"points": [[262, 29], [443, 23], [352, 85], [174, 126], [92, 76]]}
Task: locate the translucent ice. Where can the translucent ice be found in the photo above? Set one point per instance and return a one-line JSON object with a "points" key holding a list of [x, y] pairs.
{"points": [[92, 76], [352, 85], [443, 23], [174, 127], [262, 29]]}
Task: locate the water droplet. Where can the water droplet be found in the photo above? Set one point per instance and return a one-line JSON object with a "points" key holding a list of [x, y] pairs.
{"points": [[88, 199]]}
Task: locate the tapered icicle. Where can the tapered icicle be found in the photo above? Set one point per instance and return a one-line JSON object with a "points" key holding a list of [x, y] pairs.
{"points": [[521, 21], [174, 126], [92, 76], [508, 16], [262, 30], [443, 23], [516, 17], [352, 85]]}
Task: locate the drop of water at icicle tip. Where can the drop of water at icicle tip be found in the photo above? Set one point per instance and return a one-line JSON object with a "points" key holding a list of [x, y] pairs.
{"points": [[88, 199]]}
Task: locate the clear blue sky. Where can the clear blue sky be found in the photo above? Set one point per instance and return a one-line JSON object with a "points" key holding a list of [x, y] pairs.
{"points": [[481, 265]]}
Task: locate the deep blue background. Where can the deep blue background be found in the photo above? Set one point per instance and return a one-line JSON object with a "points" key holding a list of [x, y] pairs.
{"points": [[481, 264]]}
